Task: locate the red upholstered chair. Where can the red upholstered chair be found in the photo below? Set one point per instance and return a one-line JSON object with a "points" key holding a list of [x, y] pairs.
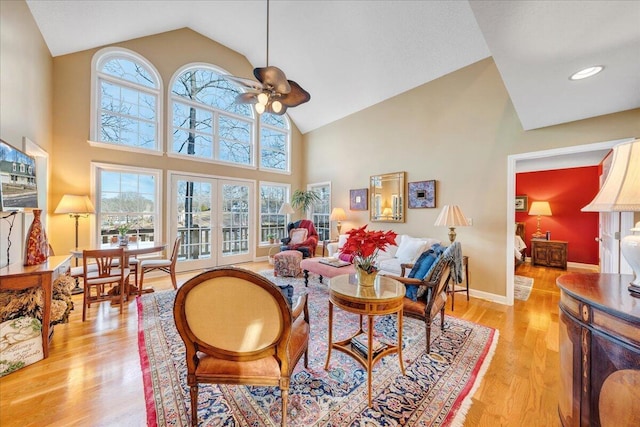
{"points": [[307, 245]]}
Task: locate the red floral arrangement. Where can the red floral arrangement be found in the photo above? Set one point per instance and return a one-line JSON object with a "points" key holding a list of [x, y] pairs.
{"points": [[364, 246]]}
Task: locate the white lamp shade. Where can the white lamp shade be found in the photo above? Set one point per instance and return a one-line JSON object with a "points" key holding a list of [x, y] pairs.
{"points": [[286, 209], [621, 189], [540, 208], [72, 204], [451, 216], [338, 214]]}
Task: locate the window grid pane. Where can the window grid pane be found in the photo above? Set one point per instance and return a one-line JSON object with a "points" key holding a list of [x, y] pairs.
{"points": [[271, 223], [321, 211]]}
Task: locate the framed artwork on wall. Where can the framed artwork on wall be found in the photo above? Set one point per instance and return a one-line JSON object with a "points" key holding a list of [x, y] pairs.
{"points": [[522, 203], [422, 194], [358, 199]]}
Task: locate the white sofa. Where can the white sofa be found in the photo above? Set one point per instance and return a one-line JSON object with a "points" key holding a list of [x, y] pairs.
{"points": [[406, 252]]}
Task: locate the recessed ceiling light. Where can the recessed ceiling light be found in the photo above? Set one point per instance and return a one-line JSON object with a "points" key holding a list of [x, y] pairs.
{"points": [[587, 72]]}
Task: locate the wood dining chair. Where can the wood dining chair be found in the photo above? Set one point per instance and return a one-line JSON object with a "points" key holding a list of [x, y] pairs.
{"points": [[167, 265], [104, 278]]}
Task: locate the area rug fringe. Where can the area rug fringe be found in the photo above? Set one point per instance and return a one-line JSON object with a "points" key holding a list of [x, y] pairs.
{"points": [[461, 413]]}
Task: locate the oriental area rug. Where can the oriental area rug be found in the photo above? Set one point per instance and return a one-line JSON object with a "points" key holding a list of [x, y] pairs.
{"points": [[436, 390]]}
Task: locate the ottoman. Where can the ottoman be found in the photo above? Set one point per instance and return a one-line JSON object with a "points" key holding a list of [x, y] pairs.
{"points": [[316, 265], [287, 263]]}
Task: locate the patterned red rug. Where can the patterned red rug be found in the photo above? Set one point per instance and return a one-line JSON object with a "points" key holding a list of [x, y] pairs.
{"points": [[436, 390]]}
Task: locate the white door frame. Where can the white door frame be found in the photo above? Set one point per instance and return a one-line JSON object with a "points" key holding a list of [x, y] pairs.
{"points": [[512, 161]]}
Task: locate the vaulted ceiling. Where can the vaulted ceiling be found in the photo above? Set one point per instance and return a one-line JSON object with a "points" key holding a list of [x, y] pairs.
{"points": [[352, 54]]}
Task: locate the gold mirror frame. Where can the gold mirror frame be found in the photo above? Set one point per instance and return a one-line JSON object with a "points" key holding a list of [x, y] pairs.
{"points": [[386, 197]]}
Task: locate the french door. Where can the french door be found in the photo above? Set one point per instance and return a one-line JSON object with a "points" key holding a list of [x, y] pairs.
{"points": [[213, 218]]}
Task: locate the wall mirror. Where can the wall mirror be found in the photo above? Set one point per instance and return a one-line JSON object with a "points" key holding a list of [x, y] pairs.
{"points": [[386, 197]]}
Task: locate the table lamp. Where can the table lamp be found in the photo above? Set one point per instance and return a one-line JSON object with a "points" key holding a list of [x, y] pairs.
{"points": [[451, 216], [621, 193], [75, 206], [540, 209], [338, 214]]}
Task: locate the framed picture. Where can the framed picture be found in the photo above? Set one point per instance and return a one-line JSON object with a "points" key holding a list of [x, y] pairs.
{"points": [[358, 199], [422, 194], [522, 203]]}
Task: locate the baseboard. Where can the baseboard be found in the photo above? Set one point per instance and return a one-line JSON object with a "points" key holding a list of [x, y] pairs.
{"points": [[595, 268]]}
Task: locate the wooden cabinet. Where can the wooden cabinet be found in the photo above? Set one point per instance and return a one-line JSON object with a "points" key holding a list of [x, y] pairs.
{"points": [[549, 253], [17, 277], [599, 351]]}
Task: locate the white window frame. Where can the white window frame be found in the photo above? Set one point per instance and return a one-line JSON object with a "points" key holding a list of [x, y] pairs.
{"points": [[287, 196], [287, 131], [215, 113], [312, 210], [99, 58], [97, 168]]}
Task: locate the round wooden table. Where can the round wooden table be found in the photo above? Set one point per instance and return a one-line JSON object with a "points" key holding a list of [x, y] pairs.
{"points": [[385, 297]]}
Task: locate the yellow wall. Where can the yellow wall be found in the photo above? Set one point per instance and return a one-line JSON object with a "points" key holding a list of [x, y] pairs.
{"points": [[458, 130], [73, 155], [25, 98]]}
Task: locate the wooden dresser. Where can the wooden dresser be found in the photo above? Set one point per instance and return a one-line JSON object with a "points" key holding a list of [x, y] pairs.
{"points": [[599, 351], [549, 253], [17, 276]]}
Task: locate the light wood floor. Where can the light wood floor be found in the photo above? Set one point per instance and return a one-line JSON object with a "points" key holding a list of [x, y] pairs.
{"points": [[92, 376]]}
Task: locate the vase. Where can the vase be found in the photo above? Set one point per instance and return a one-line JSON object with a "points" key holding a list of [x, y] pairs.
{"points": [[364, 278], [37, 245], [123, 240]]}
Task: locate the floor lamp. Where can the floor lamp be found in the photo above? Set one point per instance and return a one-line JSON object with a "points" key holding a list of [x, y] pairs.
{"points": [[76, 207]]}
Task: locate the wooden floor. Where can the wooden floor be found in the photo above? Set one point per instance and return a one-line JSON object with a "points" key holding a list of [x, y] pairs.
{"points": [[92, 376]]}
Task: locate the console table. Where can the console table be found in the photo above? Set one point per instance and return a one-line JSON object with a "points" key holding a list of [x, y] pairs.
{"points": [[599, 351], [17, 277]]}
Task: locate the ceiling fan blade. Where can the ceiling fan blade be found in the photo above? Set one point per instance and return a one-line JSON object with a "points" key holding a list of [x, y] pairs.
{"points": [[274, 78], [251, 84], [296, 97], [246, 98]]}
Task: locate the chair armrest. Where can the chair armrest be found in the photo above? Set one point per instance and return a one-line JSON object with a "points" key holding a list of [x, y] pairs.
{"points": [[285, 240], [299, 306], [403, 267], [332, 248]]}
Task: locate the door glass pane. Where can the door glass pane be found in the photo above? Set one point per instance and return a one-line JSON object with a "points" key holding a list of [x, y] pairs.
{"points": [[235, 219], [194, 219]]}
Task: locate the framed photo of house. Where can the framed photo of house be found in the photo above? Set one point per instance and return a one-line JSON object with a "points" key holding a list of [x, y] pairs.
{"points": [[358, 199], [422, 194], [522, 203]]}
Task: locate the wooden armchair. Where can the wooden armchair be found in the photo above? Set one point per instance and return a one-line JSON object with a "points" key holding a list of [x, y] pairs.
{"points": [[432, 293], [238, 329]]}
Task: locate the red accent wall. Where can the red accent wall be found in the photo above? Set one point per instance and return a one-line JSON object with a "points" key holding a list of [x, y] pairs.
{"points": [[567, 191]]}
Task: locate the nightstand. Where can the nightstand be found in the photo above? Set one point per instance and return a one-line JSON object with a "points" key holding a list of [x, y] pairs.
{"points": [[549, 253]]}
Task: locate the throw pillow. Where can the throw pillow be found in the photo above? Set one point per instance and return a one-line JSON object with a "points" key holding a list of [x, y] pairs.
{"points": [[298, 235], [423, 264], [409, 249]]}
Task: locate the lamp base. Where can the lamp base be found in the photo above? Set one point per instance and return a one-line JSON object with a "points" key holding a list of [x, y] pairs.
{"points": [[538, 235]]}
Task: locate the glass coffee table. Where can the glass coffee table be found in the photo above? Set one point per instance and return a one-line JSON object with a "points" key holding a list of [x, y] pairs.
{"points": [[385, 297]]}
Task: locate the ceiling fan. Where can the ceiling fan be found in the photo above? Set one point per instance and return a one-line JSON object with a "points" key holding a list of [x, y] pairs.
{"points": [[272, 93]]}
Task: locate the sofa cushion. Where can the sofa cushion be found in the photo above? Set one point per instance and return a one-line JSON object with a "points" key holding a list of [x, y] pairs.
{"points": [[423, 264]]}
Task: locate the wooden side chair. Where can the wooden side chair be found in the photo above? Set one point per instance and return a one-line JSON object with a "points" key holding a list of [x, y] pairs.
{"points": [[102, 269], [238, 328], [432, 290], [168, 265]]}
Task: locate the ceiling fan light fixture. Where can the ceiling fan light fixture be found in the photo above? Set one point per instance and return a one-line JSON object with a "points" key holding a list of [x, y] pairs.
{"points": [[586, 72], [263, 98], [260, 108], [276, 106]]}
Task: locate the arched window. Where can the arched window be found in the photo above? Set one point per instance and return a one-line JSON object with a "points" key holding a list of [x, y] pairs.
{"points": [[275, 135], [126, 100], [207, 122]]}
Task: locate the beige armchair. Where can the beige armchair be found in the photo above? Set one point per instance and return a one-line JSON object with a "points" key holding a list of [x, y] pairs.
{"points": [[238, 329]]}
